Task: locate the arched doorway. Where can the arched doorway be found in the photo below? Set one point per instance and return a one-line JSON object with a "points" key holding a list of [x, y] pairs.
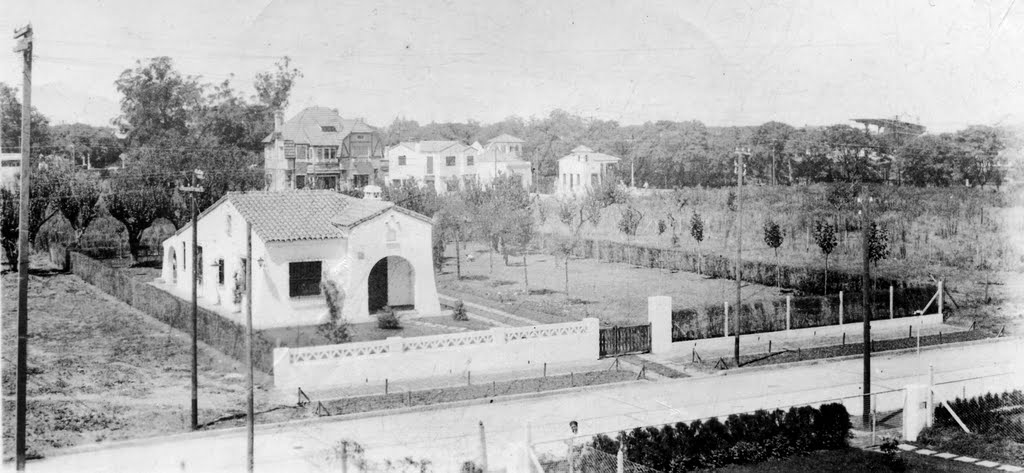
{"points": [[391, 283]]}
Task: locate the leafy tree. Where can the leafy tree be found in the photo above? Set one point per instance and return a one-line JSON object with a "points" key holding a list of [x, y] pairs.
{"points": [[9, 225], [79, 201], [156, 100], [878, 243], [697, 232], [137, 198], [825, 237], [979, 148], [452, 222], [410, 195], [770, 139], [927, 160], [630, 221], [273, 89], [773, 237], [575, 214], [852, 150], [10, 116], [47, 182]]}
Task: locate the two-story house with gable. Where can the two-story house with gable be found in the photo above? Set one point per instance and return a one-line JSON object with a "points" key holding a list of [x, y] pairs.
{"points": [[318, 149], [443, 165]]}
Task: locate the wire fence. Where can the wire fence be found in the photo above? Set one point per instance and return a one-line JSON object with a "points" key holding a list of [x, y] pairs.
{"points": [[586, 459]]}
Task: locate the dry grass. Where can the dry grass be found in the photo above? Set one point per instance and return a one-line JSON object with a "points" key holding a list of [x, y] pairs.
{"points": [[101, 371]]}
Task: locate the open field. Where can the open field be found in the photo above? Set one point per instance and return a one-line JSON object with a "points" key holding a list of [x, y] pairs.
{"points": [[615, 293], [962, 235], [101, 371]]}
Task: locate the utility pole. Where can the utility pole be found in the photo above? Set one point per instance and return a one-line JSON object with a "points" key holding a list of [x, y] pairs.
{"points": [[865, 202], [192, 190], [24, 46], [740, 170], [250, 420]]}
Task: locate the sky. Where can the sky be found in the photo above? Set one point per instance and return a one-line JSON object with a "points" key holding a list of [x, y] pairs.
{"points": [[942, 64]]}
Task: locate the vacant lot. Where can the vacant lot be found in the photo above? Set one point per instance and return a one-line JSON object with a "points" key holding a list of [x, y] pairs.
{"points": [[615, 293], [100, 371]]}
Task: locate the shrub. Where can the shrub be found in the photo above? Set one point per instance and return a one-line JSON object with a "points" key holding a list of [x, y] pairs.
{"points": [[459, 311], [388, 319]]}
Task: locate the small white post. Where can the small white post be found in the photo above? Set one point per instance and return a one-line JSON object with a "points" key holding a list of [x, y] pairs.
{"points": [[890, 302], [840, 307], [940, 298], [931, 394], [789, 300], [918, 330], [620, 456], [725, 325]]}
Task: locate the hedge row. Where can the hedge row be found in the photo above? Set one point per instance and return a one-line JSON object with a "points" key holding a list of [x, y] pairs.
{"points": [[805, 311], [214, 330], [743, 438], [801, 278]]}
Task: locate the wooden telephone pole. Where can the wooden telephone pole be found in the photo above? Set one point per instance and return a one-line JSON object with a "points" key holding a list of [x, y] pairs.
{"points": [[24, 46], [740, 170], [865, 222], [192, 191]]}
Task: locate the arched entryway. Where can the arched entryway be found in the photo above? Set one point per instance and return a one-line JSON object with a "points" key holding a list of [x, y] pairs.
{"points": [[391, 283]]}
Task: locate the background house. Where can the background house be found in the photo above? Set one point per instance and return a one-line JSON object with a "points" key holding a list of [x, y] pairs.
{"points": [[319, 149], [492, 163], [443, 165], [583, 169], [377, 253]]}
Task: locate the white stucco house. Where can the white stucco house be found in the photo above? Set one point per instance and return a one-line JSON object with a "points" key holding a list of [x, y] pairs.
{"points": [[584, 168], [377, 253], [492, 163], [443, 165]]}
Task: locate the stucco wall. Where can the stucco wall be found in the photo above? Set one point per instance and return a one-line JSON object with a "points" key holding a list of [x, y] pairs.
{"points": [[397, 358], [852, 329]]}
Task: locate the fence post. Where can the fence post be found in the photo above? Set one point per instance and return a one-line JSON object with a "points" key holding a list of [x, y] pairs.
{"points": [[940, 298], [918, 339], [931, 395], [840, 307], [725, 326], [890, 302], [789, 300], [483, 448]]}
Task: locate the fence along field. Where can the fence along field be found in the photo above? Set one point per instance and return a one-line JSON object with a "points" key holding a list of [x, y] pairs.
{"points": [[955, 232]]}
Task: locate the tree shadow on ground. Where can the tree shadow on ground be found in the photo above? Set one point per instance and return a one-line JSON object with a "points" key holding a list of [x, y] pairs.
{"points": [[475, 277], [578, 301], [502, 282], [541, 292]]}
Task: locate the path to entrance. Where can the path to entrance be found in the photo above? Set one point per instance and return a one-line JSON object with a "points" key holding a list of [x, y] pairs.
{"points": [[497, 317]]}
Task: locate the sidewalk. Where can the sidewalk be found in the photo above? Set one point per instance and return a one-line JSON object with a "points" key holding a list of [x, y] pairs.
{"points": [[682, 352], [553, 369]]}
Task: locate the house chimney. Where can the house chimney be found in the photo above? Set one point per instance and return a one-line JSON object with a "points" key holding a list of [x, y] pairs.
{"points": [[278, 121]]}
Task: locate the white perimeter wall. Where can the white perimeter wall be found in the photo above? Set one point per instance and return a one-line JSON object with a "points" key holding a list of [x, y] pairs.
{"points": [[397, 358]]}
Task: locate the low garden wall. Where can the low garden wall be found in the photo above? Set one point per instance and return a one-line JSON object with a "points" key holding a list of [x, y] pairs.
{"points": [[850, 328], [808, 280], [214, 330], [397, 358]]}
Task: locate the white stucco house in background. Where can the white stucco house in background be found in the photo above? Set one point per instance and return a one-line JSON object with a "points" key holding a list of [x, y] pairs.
{"points": [[584, 168], [378, 254], [493, 162], [443, 165]]}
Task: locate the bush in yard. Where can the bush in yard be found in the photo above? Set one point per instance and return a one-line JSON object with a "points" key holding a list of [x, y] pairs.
{"points": [[335, 329], [388, 319], [459, 311], [825, 237]]}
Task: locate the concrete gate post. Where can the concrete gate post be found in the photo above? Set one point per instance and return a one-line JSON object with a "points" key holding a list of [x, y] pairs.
{"points": [[915, 411], [659, 314]]}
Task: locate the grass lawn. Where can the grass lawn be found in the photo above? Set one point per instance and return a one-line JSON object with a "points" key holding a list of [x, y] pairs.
{"points": [[615, 293], [853, 460], [100, 370]]}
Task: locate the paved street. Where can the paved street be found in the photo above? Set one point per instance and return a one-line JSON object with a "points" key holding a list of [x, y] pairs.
{"points": [[449, 436]]}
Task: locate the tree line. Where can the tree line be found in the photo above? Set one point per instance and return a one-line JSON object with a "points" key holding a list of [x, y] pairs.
{"points": [[671, 154]]}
